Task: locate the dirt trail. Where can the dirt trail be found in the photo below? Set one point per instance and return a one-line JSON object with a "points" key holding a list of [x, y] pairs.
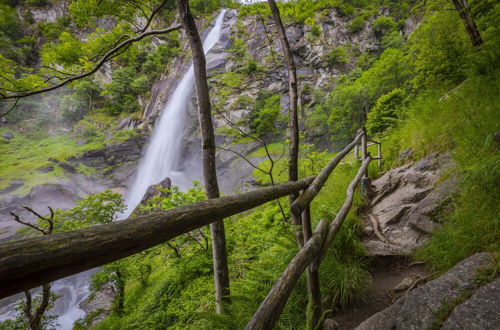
{"points": [[387, 272]]}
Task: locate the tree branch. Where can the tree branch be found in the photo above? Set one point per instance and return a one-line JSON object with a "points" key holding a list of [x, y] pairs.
{"points": [[110, 54]]}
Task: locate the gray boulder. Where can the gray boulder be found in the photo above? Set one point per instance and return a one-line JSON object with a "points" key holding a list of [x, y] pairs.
{"points": [[404, 201], [479, 312], [420, 308], [8, 135]]}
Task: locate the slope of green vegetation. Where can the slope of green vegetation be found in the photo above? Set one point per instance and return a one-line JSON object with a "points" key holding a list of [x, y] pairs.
{"points": [[179, 291]]}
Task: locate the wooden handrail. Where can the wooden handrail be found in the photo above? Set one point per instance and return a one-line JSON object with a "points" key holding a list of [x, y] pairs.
{"points": [[28, 263], [272, 306], [270, 309], [314, 188]]}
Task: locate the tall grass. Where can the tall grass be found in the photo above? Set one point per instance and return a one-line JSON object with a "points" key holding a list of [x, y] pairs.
{"points": [[462, 123]]}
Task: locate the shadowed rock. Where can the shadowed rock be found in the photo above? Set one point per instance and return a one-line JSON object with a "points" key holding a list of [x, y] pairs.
{"points": [[420, 308]]}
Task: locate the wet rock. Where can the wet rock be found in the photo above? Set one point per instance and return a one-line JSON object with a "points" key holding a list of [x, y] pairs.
{"points": [[155, 190], [419, 308], [99, 305], [479, 312], [67, 167], [45, 169], [216, 63], [13, 185], [405, 201], [368, 230], [54, 195], [410, 25], [128, 123], [81, 142], [118, 160], [406, 154], [497, 136], [8, 135]]}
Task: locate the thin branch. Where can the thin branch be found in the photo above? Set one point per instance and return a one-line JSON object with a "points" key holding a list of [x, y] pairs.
{"points": [[246, 159], [49, 220], [18, 219], [376, 230], [58, 71], [271, 160], [11, 108], [150, 19]]}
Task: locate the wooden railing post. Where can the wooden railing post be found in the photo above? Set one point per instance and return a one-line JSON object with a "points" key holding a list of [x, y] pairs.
{"points": [[379, 156], [365, 181], [314, 309]]}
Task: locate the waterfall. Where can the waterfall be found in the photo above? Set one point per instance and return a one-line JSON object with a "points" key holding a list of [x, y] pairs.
{"points": [[164, 151], [162, 157]]}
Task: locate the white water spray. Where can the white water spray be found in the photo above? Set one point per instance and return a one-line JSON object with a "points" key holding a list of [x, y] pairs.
{"points": [[164, 152]]}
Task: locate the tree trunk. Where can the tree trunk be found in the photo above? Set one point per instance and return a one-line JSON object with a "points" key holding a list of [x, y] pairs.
{"points": [[470, 25], [293, 156], [302, 235], [221, 272]]}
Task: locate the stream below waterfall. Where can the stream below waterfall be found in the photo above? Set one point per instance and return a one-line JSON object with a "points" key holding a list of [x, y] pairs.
{"points": [[163, 158]]}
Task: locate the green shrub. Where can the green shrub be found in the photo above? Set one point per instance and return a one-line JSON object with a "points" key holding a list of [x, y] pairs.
{"points": [[252, 66], [266, 113], [383, 25], [337, 57], [357, 24], [386, 112]]}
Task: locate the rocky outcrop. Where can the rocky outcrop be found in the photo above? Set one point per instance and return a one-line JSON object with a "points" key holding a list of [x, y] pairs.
{"points": [[479, 312], [56, 195], [98, 305], [404, 201], [116, 162], [423, 307]]}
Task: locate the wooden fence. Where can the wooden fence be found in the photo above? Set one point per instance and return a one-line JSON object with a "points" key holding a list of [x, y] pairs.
{"points": [[28, 263]]}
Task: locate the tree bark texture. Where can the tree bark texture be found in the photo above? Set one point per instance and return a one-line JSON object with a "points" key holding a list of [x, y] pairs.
{"points": [[221, 271], [31, 262], [293, 123], [470, 25]]}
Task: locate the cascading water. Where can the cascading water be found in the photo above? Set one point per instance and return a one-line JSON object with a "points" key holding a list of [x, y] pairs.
{"points": [[162, 157], [164, 151]]}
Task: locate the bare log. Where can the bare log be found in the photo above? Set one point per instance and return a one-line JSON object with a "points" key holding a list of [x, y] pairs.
{"points": [[344, 210], [270, 309], [308, 195], [28, 263]]}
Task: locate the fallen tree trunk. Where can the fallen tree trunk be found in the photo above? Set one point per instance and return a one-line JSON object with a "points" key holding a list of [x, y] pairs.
{"points": [[28, 263]]}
